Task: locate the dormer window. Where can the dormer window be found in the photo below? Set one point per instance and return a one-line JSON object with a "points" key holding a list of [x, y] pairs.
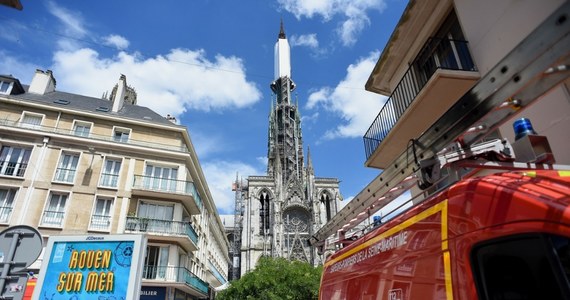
{"points": [[10, 85], [5, 87]]}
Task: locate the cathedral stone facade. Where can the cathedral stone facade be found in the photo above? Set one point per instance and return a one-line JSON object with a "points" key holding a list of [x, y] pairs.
{"points": [[283, 208]]}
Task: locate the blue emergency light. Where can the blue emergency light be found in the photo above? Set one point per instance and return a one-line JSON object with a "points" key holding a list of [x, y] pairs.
{"points": [[522, 128]]}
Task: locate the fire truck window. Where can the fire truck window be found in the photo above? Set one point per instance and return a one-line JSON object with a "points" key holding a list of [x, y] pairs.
{"points": [[562, 246], [522, 267]]}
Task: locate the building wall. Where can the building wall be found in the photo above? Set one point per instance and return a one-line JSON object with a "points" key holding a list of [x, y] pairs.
{"points": [[493, 29], [55, 136]]}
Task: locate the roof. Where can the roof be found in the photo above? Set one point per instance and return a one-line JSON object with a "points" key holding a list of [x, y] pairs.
{"points": [[92, 105], [12, 3], [17, 89], [411, 32]]}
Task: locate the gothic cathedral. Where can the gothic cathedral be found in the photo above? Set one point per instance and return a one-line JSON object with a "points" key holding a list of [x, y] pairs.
{"points": [[281, 210]]}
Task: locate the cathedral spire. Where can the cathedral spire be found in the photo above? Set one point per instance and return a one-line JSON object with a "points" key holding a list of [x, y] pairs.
{"points": [[309, 161], [282, 56], [282, 31]]}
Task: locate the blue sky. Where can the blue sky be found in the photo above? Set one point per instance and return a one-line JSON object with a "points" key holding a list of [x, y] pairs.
{"points": [[209, 63]]}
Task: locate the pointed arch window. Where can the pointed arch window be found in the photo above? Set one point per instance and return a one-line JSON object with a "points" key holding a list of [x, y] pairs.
{"points": [[326, 201], [264, 214]]}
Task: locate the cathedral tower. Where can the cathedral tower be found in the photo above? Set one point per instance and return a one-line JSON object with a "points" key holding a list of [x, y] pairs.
{"points": [[283, 208]]}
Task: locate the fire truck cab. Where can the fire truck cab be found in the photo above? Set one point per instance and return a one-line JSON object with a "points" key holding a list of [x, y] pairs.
{"points": [[500, 236]]}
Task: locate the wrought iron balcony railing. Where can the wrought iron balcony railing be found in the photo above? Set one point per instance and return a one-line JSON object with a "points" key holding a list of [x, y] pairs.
{"points": [[165, 185], [174, 274], [436, 54], [139, 224], [12, 168], [100, 222], [65, 175], [109, 180], [53, 218]]}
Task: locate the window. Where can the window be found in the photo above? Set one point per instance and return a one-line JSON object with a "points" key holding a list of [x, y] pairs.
{"points": [[55, 210], [67, 167], [326, 201], [110, 173], [523, 267], [6, 203], [5, 87], [447, 49], [155, 263], [81, 128], [101, 219], [264, 225], [160, 178], [161, 217], [14, 160], [121, 134], [31, 120], [156, 211]]}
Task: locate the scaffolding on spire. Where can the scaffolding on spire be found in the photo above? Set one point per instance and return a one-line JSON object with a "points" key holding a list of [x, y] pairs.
{"points": [[239, 186]]}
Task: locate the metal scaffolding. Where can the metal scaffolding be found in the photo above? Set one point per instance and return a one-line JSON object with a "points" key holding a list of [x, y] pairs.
{"points": [[239, 186]]}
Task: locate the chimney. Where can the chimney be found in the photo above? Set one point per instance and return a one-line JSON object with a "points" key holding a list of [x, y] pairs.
{"points": [[119, 96], [170, 118], [42, 83]]}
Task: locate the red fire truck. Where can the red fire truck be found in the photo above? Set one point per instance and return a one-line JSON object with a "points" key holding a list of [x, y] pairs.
{"points": [[504, 236], [488, 224]]}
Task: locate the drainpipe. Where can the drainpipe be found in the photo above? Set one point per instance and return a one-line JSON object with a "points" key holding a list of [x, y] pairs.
{"points": [[30, 190]]}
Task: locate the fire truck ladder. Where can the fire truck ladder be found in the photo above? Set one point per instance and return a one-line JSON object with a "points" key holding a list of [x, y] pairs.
{"points": [[539, 63]]}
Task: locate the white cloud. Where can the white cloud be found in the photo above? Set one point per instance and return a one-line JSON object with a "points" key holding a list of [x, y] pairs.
{"points": [[353, 14], [17, 68], [353, 104], [72, 29], [72, 21], [220, 175], [170, 84], [305, 119], [309, 8], [116, 41], [262, 160], [350, 28], [308, 40]]}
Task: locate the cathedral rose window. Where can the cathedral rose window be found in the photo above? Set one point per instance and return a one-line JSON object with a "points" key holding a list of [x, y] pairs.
{"points": [[296, 220]]}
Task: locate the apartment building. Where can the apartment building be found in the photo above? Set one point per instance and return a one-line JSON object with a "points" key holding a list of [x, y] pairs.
{"points": [[73, 165], [440, 50]]}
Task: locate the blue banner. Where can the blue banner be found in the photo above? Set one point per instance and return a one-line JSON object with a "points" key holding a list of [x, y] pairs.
{"points": [[88, 270]]}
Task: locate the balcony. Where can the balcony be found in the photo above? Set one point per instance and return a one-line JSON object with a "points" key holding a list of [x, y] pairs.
{"points": [[53, 218], [178, 277], [12, 168], [172, 189], [42, 130], [100, 222], [442, 72], [171, 231], [214, 276]]}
